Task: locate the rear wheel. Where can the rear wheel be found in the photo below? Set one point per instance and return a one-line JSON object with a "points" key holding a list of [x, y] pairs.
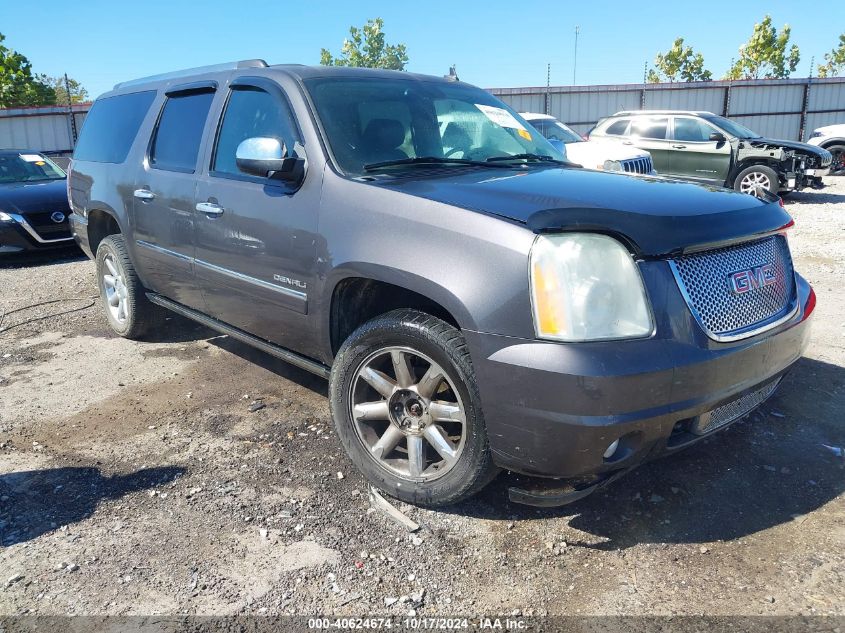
{"points": [[756, 180], [837, 167], [406, 407], [130, 314]]}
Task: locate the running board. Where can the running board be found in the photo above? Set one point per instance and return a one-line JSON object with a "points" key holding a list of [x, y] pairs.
{"points": [[259, 343]]}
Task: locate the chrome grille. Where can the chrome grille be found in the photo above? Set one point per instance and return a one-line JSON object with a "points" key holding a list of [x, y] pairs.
{"points": [[704, 279], [733, 410], [637, 165]]}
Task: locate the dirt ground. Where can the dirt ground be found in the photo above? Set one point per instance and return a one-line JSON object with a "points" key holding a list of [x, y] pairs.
{"points": [[135, 479]]}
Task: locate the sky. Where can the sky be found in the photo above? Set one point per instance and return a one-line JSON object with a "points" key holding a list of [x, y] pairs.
{"points": [[492, 43]]}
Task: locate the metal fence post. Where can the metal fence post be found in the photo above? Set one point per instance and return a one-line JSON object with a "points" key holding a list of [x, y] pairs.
{"points": [[804, 106]]}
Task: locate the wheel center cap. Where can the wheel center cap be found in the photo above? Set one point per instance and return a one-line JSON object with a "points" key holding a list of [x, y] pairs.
{"points": [[407, 410]]}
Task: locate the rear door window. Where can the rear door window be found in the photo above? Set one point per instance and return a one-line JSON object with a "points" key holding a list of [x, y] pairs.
{"points": [[650, 127], [111, 126], [179, 132]]}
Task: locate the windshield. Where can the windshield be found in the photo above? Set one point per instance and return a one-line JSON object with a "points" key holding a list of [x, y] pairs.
{"points": [[369, 121], [733, 128], [554, 130], [16, 167]]}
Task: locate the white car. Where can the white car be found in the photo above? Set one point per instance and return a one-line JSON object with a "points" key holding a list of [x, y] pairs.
{"points": [[831, 138], [607, 154]]}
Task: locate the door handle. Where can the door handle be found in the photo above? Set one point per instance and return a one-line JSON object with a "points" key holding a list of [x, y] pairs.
{"points": [[143, 194], [209, 208], [679, 146]]}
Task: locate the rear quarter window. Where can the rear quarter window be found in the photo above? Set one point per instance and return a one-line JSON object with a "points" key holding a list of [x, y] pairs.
{"points": [[111, 126]]}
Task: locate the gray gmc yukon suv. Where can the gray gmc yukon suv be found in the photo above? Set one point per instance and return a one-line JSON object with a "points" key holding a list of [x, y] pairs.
{"points": [[475, 302]]}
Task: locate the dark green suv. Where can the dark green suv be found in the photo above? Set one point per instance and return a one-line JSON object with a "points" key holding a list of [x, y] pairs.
{"points": [[710, 149]]}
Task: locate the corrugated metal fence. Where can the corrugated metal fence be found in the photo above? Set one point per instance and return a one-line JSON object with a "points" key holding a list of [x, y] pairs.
{"points": [[48, 129], [780, 108]]}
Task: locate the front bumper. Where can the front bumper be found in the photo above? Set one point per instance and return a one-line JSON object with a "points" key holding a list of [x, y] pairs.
{"points": [[18, 237], [552, 410]]}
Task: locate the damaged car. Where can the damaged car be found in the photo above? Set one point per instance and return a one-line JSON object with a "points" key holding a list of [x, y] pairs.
{"points": [[710, 149]]}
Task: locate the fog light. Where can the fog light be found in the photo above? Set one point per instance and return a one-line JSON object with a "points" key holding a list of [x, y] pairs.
{"points": [[611, 449]]}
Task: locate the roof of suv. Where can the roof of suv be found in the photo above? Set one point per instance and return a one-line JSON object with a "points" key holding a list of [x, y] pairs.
{"points": [[299, 71], [635, 112]]}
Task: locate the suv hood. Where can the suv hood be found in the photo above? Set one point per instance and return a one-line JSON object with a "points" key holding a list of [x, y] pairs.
{"points": [[29, 197], [793, 145], [652, 216]]}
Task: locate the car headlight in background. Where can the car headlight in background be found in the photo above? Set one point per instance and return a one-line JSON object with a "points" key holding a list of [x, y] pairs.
{"points": [[816, 134], [586, 286], [5, 217], [612, 165]]}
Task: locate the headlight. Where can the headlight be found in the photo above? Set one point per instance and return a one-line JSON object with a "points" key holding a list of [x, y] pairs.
{"points": [[612, 165], [816, 134], [5, 217], [586, 286]]}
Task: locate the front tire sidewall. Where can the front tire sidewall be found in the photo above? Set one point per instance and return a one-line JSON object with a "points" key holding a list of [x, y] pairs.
{"points": [[473, 468]]}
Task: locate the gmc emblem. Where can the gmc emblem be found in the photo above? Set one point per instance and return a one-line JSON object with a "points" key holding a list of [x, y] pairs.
{"points": [[742, 281]]}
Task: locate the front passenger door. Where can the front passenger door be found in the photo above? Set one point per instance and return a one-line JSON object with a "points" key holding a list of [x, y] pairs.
{"points": [[255, 237], [695, 156]]}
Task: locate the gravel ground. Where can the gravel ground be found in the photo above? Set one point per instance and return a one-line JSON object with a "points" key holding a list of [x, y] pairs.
{"points": [[136, 479]]}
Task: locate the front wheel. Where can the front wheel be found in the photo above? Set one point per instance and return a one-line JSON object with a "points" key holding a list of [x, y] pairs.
{"points": [[837, 167], [756, 180], [406, 407]]}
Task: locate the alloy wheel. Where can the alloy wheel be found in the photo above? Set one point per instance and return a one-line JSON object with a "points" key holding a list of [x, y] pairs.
{"points": [[408, 413], [115, 287], [755, 183]]}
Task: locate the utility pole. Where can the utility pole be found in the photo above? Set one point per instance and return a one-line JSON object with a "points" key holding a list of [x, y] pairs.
{"points": [[575, 58], [70, 111], [546, 102]]}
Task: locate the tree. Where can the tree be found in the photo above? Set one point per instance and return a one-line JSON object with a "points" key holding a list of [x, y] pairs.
{"points": [[679, 63], [18, 86], [765, 54], [78, 94], [367, 48], [835, 61]]}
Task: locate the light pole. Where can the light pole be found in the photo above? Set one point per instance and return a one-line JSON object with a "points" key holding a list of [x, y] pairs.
{"points": [[575, 58]]}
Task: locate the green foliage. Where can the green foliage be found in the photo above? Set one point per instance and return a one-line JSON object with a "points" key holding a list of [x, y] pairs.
{"points": [[679, 63], [366, 48], [765, 54], [78, 94], [18, 86], [834, 61]]}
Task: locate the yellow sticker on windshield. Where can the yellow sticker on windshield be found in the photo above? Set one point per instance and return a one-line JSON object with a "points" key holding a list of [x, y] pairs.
{"points": [[524, 134], [40, 162]]}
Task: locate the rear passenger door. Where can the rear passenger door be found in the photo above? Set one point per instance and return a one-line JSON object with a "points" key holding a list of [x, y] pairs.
{"points": [[694, 155], [163, 195], [651, 133], [255, 255]]}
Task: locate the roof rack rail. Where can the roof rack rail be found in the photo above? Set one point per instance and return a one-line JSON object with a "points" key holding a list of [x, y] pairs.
{"points": [[187, 72]]}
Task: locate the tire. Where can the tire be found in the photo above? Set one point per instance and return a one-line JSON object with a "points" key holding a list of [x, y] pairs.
{"points": [[837, 167], [753, 179], [130, 314], [379, 429]]}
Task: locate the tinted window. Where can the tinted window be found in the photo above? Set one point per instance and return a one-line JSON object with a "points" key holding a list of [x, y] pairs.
{"points": [[650, 127], [179, 132], [251, 112], [556, 131], [618, 127], [692, 130], [111, 126]]}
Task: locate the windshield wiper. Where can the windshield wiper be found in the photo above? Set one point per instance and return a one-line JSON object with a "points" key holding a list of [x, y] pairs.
{"points": [[539, 157], [426, 160]]}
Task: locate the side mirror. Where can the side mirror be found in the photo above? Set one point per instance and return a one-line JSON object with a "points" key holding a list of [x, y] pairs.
{"points": [[266, 157], [718, 137]]}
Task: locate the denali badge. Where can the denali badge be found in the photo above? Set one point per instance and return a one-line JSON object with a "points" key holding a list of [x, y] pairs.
{"points": [[290, 282], [742, 281], [57, 217]]}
